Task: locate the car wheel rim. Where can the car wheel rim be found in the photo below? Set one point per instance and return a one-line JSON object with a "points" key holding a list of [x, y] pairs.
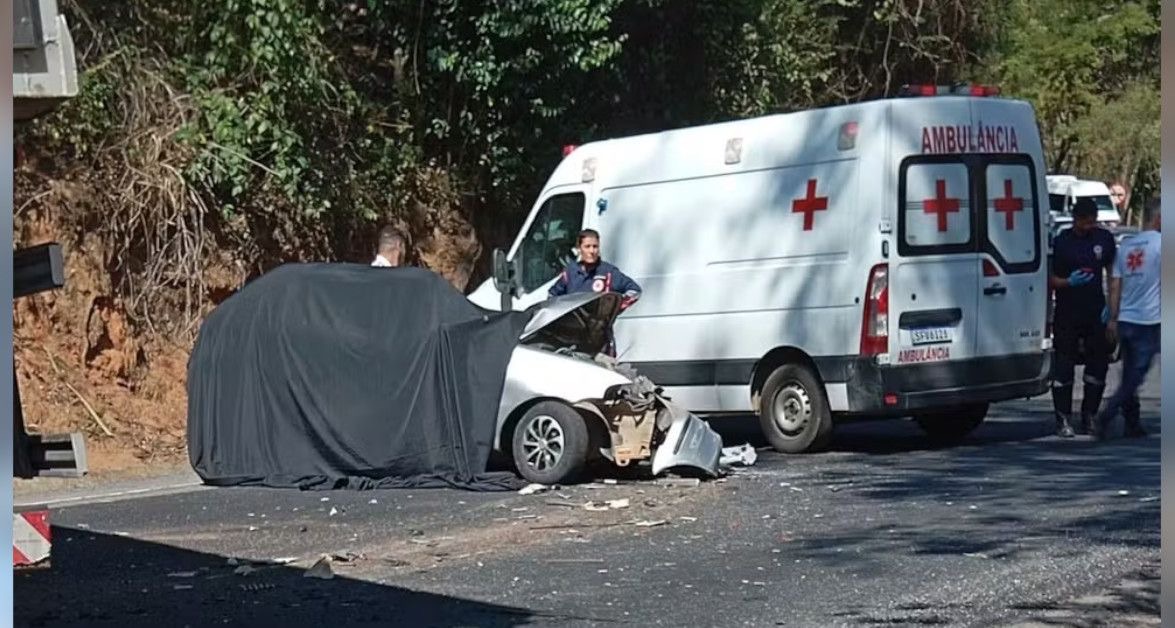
{"points": [[542, 443], [792, 409]]}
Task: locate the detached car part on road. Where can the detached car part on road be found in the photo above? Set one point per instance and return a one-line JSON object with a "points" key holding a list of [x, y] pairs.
{"points": [[565, 404]]}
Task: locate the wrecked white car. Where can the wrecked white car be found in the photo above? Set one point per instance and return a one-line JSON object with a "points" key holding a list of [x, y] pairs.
{"points": [[565, 404]]}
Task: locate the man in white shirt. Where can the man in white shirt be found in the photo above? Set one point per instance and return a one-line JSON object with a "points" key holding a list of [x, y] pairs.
{"points": [[1135, 316], [390, 248]]}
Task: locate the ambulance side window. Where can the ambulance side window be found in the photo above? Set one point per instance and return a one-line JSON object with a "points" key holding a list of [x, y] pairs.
{"points": [[936, 209], [547, 246]]}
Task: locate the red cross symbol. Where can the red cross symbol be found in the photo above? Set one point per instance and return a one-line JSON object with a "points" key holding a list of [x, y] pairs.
{"points": [[1134, 260], [1009, 205], [809, 205], [940, 204]]}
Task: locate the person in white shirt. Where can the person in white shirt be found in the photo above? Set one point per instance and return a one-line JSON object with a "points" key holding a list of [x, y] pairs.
{"points": [[1135, 317], [390, 249]]}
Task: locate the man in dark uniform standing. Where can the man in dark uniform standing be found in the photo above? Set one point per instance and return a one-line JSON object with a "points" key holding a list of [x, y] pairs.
{"points": [[1081, 257]]}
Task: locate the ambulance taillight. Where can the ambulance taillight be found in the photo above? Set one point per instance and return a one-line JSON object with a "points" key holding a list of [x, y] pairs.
{"points": [[875, 315]]}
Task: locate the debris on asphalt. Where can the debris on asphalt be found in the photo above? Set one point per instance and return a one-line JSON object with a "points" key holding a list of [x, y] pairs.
{"points": [[395, 562], [679, 482], [531, 489], [743, 455], [347, 557], [1154, 498], [415, 532], [649, 524], [373, 501], [1123, 493], [181, 587], [612, 504], [321, 569], [690, 519], [253, 528], [232, 562], [333, 511], [976, 555], [324, 499], [182, 574], [244, 570], [285, 560]]}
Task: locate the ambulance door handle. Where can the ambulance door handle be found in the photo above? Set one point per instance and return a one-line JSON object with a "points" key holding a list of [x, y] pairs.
{"points": [[996, 289]]}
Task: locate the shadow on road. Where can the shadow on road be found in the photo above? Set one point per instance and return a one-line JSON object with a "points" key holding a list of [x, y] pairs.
{"points": [[981, 496], [109, 580]]}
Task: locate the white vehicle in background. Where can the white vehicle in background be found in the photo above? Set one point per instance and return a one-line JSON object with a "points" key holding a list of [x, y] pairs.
{"points": [[877, 259], [1065, 189]]}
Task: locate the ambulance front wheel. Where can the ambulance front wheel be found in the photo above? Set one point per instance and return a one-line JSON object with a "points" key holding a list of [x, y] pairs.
{"points": [[794, 414]]}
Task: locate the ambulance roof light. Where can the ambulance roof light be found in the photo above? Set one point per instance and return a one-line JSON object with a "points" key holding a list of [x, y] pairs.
{"points": [[961, 89], [568, 149]]}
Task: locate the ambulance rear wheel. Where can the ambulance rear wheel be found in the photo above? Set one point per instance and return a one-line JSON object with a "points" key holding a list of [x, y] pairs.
{"points": [[953, 424], [794, 413]]}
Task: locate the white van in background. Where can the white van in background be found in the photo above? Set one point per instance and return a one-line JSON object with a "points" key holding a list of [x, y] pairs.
{"points": [[1065, 189], [879, 259]]}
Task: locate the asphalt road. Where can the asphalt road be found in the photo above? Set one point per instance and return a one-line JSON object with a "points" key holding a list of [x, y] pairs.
{"points": [[1012, 526]]}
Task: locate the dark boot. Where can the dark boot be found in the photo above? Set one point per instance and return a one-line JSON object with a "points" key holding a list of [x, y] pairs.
{"points": [[1134, 430], [1088, 423], [1091, 400], [1101, 425], [1132, 413], [1064, 430]]}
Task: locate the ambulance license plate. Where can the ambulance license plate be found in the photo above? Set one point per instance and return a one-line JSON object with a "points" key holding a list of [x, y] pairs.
{"points": [[931, 335]]}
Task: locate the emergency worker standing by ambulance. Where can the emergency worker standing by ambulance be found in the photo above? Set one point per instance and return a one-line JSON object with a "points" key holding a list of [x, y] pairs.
{"points": [[592, 274], [1081, 257]]}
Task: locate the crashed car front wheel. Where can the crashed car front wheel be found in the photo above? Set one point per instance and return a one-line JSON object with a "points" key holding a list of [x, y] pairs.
{"points": [[550, 444]]}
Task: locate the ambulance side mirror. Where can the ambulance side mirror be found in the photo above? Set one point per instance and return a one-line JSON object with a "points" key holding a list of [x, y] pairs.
{"points": [[506, 278]]}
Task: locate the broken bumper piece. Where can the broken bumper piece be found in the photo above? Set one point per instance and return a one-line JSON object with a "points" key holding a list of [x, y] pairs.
{"points": [[689, 442]]}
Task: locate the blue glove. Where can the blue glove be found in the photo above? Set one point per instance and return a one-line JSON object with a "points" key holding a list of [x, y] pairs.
{"points": [[1079, 278]]}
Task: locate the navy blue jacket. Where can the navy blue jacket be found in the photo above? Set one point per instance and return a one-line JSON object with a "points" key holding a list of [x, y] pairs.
{"points": [[1094, 251], [603, 278]]}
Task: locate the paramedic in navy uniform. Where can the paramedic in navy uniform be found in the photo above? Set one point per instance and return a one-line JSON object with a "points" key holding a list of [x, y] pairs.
{"points": [[591, 274], [1081, 256]]}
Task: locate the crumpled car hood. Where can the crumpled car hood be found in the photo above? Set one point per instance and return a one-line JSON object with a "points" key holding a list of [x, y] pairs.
{"points": [[575, 321]]}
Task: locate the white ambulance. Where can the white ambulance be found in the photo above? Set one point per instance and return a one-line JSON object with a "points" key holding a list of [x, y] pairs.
{"points": [[879, 259]]}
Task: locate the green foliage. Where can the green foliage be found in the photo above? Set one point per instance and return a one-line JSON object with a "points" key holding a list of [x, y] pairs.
{"points": [[307, 120], [1071, 56]]}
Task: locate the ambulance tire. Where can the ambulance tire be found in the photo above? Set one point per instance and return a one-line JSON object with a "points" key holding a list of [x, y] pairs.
{"points": [[550, 444], [794, 413], [953, 424]]}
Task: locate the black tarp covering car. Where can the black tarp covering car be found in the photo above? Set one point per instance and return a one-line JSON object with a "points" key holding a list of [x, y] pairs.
{"points": [[324, 376]]}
